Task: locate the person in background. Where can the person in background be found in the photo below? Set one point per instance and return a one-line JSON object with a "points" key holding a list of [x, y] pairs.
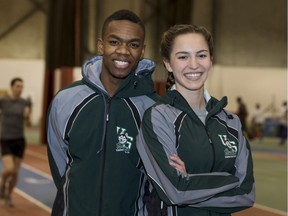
{"points": [[242, 113], [14, 112], [283, 124], [92, 126], [193, 150], [257, 122]]}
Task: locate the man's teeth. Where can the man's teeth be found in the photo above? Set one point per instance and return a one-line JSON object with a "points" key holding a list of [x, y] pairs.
{"points": [[121, 62]]}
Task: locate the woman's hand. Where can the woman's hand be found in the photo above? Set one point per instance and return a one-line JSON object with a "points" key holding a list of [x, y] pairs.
{"points": [[178, 164]]}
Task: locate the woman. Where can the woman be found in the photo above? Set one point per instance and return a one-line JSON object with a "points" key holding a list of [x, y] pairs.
{"points": [[193, 150]]}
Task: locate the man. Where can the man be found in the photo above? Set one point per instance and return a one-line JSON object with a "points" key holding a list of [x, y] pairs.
{"points": [[14, 112], [92, 126]]}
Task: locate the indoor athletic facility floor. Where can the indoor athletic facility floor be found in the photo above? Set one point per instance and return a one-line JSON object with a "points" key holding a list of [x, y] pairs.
{"points": [[35, 190]]}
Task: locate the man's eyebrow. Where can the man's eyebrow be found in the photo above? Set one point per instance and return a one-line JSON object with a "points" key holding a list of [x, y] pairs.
{"points": [[121, 39]]}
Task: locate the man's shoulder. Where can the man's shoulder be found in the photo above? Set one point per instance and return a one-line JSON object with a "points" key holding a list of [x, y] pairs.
{"points": [[73, 93]]}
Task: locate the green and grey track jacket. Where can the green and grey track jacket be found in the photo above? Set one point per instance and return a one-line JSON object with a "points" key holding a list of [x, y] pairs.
{"points": [[216, 154], [92, 144]]}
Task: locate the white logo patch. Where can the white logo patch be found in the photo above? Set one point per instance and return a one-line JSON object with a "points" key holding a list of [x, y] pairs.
{"points": [[231, 148], [124, 141]]}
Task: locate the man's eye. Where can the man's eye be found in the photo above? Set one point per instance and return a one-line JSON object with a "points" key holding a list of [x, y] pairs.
{"points": [[113, 42], [134, 45]]}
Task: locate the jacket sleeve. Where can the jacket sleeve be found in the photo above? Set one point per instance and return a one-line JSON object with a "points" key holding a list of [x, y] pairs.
{"points": [[242, 196], [57, 148], [155, 143]]}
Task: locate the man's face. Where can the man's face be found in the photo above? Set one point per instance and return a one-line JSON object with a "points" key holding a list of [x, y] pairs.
{"points": [[122, 47], [17, 89]]}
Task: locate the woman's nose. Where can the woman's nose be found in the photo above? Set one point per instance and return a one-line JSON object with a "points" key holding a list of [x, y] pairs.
{"points": [[193, 63]]}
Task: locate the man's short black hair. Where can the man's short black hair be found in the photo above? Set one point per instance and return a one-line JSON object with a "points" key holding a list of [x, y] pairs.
{"points": [[123, 15], [14, 80]]}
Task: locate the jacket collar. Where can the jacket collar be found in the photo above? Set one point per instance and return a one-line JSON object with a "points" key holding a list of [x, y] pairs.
{"points": [[213, 106], [139, 82]]}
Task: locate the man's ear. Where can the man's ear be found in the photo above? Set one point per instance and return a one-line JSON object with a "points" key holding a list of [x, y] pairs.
{"points": [[167, 65], [143, 51], [100, 46]]}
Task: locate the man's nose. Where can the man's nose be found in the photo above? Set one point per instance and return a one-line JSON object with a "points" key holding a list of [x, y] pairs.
{"points": [[123, 49]]}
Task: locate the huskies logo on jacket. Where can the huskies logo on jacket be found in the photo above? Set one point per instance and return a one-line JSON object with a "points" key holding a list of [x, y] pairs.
{"points": [[124, 141]]}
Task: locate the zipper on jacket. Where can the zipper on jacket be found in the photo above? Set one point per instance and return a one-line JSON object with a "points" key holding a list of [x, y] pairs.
{"points": [[106, 119], [107, 109], [209, 138], [213, 147], [103, 150]]}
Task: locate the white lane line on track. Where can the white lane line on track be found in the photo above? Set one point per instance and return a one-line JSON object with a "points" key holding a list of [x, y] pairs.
{"points": [[33, 200], [39, 172]]}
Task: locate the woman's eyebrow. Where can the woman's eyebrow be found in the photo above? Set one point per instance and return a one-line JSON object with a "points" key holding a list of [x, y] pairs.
{"points": [[186, 52]]}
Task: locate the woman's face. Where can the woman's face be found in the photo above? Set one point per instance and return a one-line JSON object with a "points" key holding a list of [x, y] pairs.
{"points": [[190, 62]]}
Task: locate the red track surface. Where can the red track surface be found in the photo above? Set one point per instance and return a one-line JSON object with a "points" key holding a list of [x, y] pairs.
{"points": [[36, 157]]}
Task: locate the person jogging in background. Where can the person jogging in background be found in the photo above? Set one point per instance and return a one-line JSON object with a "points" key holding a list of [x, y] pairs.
{"points": [[15, 111], [193, 150], [93, 123]]}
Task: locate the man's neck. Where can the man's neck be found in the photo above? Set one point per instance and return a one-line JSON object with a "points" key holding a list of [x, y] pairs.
{"points": [[111, 85]]}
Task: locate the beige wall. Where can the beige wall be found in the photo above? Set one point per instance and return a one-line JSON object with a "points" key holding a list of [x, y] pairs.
{"points": [[254, 84], [263, 85], [32, 73]]}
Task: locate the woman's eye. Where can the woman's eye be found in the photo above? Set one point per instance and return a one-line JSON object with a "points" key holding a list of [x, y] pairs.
{"points": [[182, 57], [202, 56]]}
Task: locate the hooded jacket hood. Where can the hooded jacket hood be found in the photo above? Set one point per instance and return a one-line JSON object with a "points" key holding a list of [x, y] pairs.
{"points": [[138, 82], [174, 98]]}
